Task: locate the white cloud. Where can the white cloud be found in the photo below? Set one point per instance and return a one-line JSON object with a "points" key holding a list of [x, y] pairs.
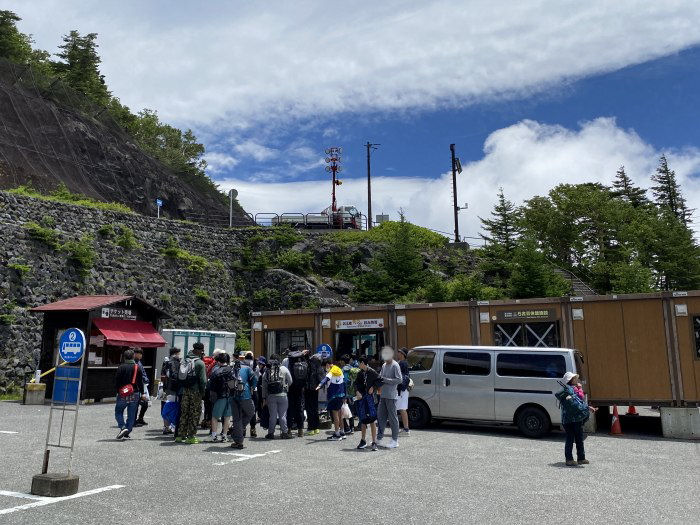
{"points": [[233, 64], [526, 159], [250, 148], [218, 162]]}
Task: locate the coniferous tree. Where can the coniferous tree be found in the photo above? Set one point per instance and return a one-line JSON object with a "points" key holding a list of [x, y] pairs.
{"points": [[667, 192], [624, 188], [502, 230], [80, 66], [14, 45]]}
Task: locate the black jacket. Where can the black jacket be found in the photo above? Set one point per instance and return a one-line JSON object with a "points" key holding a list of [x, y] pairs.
{"points": [[403, 365], [365, 380], [125, 373]]}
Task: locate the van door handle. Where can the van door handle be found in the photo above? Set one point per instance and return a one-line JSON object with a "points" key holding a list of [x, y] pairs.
{"points": [[427, 381], [447, 381]]}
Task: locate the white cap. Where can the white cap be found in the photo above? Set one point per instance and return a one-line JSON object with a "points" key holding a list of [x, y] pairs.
{"points": [[569, 376], [217, 351]]}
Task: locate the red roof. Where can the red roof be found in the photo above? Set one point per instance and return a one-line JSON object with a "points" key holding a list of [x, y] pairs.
{"points": [[122, 332], [82, 302]]}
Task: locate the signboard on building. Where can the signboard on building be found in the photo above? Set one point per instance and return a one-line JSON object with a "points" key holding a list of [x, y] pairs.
{"points": [[119, 313], [359, 324], [530, 314]]}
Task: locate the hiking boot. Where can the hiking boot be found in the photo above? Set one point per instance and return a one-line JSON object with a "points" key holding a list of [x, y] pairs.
{"points": [[253, 432], [286, 435], [270, 436], [300, 432], [374, 447], [238, 446], [571, 463], [192, 441], [583, 462], [362, 445], [335, 437], [141, 422]]}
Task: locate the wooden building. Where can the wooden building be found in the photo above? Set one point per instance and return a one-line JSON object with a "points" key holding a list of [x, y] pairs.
{"points": [[640, 349], [111, 323]]}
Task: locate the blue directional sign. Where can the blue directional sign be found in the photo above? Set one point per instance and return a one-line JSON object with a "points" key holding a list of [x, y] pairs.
{"points": [[159, 202], [71, 346], [325, 350]]}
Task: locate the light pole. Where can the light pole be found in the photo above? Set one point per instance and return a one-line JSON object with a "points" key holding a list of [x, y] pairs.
{"points": [[456, 167], [369, 147]]}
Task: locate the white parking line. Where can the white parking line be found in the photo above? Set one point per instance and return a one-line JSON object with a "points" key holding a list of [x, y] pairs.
{"points": [[42, 501], [8, 432], [242, 457]]}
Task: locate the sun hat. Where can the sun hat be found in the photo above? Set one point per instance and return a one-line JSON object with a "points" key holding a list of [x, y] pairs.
{"points": [[569, 376]]}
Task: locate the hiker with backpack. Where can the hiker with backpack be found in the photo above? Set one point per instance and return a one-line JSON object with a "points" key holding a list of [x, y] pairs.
{"points": [[219, 394], [365, 386], [144, 401], [389, 378], [315, 375], [242, 407], [403, 388], [349, 375], [336, 396], [276, 382], [299, 368], [129, 385], [249, 361], [168, 380], [574, 413], [192, 376]]}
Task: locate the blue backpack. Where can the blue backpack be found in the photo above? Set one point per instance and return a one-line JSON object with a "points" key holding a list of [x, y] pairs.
{"points": [[366, 409], [574, 409]]}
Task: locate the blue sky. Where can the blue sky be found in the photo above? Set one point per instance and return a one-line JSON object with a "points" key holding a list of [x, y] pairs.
{"points": [[533, 94]]}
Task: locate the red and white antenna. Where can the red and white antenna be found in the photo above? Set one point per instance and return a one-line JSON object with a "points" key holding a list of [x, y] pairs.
{"points": [[333, 160]]}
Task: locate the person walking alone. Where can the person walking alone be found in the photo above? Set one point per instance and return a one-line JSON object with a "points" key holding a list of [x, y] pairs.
{"points": [[129, 385], [193, 378], [389, 378], [574, 413]]}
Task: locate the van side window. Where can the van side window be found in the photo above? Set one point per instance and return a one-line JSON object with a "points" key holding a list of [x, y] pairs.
{"points": [[466, 363], [420, 360], [530, 365]]}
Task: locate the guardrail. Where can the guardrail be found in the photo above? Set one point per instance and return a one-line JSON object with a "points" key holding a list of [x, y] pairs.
{"points": [[269, 219]]}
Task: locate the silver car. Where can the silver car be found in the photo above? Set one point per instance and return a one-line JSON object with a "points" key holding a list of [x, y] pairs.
{"points": [[490, 384]]}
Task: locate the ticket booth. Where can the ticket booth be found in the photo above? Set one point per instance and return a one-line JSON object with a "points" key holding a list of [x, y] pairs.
{"points": [[111, 324], [364, 337]]}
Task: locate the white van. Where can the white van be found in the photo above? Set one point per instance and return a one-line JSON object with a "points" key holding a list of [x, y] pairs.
{"points": [[491, 384]]}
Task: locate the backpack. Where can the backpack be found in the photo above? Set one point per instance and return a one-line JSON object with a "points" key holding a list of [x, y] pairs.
{"points": [[187, 373], [316, 373], [209, 363], [350, 385], [218, 383], [300, 371], [171, 372], [234, 383], [274, 378], [573, 407]]}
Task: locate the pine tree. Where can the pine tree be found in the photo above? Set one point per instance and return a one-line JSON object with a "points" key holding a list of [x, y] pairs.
{"points": [[502, 230], [624, 188], [14, 45], [80, 66], [667, 192]]}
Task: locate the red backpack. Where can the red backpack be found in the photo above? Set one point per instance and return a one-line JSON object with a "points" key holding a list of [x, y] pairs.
{"points": [[209, 363]]}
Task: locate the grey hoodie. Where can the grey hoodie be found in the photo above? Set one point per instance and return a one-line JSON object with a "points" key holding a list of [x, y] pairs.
{"points": [[391, 378]]}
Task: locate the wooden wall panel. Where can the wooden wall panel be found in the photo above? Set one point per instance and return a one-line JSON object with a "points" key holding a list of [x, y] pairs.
{"points": [[421, 327], [647, 357], [689, 363], [605, 342], [453, 326], [485, 330], [401, 335], [580, 345], [287, 322]]}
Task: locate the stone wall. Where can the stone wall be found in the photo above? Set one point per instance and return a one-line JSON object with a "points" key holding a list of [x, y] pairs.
{"points": [[33, 273]]}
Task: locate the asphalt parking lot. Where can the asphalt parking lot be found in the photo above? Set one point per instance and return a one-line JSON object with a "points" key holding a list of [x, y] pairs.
{"points": [[447, 474]]}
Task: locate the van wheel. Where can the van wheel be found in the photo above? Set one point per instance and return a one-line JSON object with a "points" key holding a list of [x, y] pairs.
{"points": [[533, 422], [418, 413]]}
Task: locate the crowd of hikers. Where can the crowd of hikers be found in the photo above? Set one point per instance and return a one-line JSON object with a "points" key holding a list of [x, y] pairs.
{"points": [[226, 395]]}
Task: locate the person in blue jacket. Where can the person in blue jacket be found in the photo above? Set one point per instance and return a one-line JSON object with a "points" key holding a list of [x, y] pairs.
{"points": [[242, 406]]}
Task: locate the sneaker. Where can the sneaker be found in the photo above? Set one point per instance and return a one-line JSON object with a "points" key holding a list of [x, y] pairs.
{"points": [[223, 438], [138, 424], [406, 431], [350, 432], [380, 442], [335, 437], [212, 438], [238, 446], [253, 432], [583, 462], [300, 432], [270, 436], [167, 431], [141, 423], [362, 445], [392, 444], [286, 435], [122, 433], [374, 446], [192, 441], [127, 435], [571, 463]]}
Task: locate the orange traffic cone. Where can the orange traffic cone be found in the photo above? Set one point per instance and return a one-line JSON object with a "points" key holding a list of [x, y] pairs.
{"points": [[631, 411], [615, 428]]}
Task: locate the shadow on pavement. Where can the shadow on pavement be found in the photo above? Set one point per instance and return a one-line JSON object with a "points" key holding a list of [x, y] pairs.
{"points": [[562, 464]]}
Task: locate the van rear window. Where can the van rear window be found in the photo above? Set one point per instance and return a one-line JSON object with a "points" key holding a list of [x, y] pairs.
{"points": [[530, 365], [420, 360]]}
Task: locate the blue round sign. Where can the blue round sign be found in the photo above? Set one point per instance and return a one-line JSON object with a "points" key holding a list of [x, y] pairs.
{"points": [[325, 350], [71, 346]]}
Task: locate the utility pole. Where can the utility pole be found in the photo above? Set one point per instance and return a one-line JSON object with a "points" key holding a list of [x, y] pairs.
{"points": [[369, 147], [454, 191]]}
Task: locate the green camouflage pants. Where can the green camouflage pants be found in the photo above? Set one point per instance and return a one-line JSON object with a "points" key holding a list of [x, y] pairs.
{"points": [[190, 411]]}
